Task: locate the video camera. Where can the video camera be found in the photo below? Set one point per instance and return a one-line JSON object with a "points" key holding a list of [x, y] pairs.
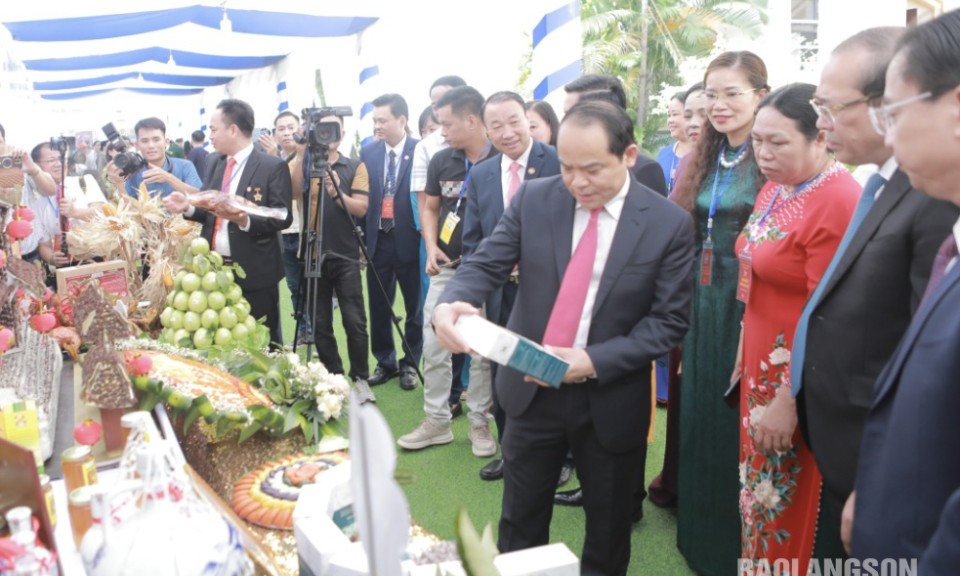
{"points": [[321, 134], [128, 161], [63, 143]]}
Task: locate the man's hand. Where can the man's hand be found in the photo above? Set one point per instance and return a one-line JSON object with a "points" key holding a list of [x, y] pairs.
{"points": [[26, 162], [581, 366], [60, 259], [435, 257], [176, 202], [779, 420], [222, 207], [268, 143], [67, 208], [846, 522], [154, 175], [328, 184], [113, 174], [444, 320]]}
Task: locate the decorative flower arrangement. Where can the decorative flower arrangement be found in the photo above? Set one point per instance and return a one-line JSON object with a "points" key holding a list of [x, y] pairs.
{"points": [[288, 393]]}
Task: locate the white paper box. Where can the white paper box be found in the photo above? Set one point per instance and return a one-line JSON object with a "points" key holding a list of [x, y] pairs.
{"points": [[551, 560], [319, 539], [446, 568]]}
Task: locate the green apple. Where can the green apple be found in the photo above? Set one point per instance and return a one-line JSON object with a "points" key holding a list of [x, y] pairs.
{"points": [[197, 301], [228, 317], [176, 320], [181, 300], [223, 337], [217, 260], [170, 296], [209, 282], [165, 316], [240, 332], [179, 336], [234, 294], [210, 319], [190, 283], [202, 339], [191, 321], [178, 279], [199, 246], [216, 300], [251, 323], [243, 310]]}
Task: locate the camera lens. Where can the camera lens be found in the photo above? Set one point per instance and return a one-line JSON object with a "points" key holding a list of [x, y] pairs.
{"points": [[6, 162]]}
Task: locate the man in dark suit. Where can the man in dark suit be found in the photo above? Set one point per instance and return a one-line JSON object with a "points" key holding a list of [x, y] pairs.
{"points": [[493, 183], [393, 242], [907, 499], [251, 241], [853, 321], [621, 299], [609, 89]]}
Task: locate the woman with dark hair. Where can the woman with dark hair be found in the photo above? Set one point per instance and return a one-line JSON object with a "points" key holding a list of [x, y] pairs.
{"points": [[428, 123], [670, 155], [718, 185], [544, 123], [796, 226]]}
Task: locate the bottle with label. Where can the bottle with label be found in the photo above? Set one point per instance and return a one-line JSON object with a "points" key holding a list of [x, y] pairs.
{"points": [[79, 467], [47, 488], [38, 561]]}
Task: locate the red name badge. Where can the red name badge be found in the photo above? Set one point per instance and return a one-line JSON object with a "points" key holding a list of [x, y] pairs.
{"points": [[386, 209], [706, 263], [746, 276]]}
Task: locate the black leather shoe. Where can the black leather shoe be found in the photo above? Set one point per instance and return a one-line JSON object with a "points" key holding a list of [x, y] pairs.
{"points": [[565, 474], [456, 409], [381, 375], [493, 470], [408, 379], [569, 497]]}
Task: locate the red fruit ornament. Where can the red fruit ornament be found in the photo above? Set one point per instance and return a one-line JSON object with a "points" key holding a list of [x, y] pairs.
{"points": [[139, 365], [23, 213], [6, 339], [19, 229], [87, 432], [44, 322]]}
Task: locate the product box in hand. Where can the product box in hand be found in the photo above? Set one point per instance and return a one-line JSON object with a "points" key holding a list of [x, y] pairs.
{"points": [[509, 349], [19, 423]]}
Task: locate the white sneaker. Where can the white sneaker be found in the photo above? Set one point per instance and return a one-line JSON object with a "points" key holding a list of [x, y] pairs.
{"points": [[483, 443], [429, 433], [364, 393]]}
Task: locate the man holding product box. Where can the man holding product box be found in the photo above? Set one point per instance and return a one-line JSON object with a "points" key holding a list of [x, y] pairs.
{"points": [[611, 261]]}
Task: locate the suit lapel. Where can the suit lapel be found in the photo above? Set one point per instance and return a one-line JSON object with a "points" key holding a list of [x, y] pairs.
{"points": [[535, 162], [494, 185], [625, 241], [249, 168], [561, 226], [892, 194], [892, 372], [406, 159]]}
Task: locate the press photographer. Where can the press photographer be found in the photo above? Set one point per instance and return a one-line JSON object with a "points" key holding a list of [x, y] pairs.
{"points": [[17, 167], [153, 169]]}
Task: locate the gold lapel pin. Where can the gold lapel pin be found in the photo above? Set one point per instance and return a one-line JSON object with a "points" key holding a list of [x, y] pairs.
{"points": [[531, 171]]}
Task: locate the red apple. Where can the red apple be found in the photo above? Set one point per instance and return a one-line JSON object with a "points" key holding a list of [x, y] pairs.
{"points": [[44, 322], [87, 432], [23, 213], [19, 229], [139, 365], [6, 339]]}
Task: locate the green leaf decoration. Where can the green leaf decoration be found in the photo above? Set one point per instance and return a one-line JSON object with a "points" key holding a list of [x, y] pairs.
{"points": [[475, 554], [192, 416], [249, 431], [239, 271]]}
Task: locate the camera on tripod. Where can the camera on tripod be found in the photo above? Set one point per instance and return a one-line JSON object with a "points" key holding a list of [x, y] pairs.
{"points": [[320, 135], [63, 143], [128, 161]]}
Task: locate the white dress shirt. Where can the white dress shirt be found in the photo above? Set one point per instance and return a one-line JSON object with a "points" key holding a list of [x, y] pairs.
{"points": [[606, 228], [221, 235], [505, 163]]}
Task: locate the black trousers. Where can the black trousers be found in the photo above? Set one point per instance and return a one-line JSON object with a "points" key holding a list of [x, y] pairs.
{"points": [[534, 448], [393, 272], [506, 306], [341, 276], [265, 303]]}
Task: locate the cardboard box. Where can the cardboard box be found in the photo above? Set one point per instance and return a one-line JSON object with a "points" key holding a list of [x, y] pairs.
{"points": [[20, 424], [319, 539], [550, 560], [112, 277], [509, 349]]}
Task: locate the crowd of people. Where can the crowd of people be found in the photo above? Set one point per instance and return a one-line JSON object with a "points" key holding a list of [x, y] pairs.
{"points": [[786, 298]]}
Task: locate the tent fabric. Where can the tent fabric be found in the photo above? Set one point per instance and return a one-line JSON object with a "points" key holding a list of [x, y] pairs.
{"points": [[155, 54], [172, 79], [148, 91]]}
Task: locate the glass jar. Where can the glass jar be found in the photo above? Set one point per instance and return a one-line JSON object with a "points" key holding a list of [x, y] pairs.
{"points": [[47, 488], [81, 517], [79, 467]]}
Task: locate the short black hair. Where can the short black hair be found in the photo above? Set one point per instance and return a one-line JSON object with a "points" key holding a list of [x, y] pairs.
{"points": [[793, 102], [37, 150], [463, 101], [396, 102], [613, 119], [881, 44], [598, 83], [931, 54], [284, 114], [238, 112], [151, 123], [198, 136], [500, 98], [451, 81]]}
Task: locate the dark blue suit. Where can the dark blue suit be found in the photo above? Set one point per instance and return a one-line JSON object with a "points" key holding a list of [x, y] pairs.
{"points": [[395, 256], [908, 480], [484, 209]]}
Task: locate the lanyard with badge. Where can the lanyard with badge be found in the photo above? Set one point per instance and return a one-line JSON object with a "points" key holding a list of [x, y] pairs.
{"points": [[706, 253], [452, 220], [755, 232]]}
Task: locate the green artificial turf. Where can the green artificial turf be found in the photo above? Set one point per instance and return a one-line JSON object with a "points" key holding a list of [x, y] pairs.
{"points": [[444, 477]]}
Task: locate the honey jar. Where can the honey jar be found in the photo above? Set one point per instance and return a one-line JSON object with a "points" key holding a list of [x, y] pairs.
{"points": [[47, 488], [79, 468], [81, 517]]}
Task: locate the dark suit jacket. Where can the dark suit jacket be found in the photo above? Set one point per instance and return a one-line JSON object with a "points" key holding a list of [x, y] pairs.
{"points": [[259, 250], [864, 311], [908, 480], [648, 172], [407, 237], [642, 307], [485, 203]]}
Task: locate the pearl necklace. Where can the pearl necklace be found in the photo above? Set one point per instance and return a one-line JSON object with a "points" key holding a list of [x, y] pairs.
{"points": [[728, 164]]}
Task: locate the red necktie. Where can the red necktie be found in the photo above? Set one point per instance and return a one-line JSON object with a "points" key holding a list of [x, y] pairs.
{"points": [[514, 183], [224, 189], [568, 307], [946, 253]]}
